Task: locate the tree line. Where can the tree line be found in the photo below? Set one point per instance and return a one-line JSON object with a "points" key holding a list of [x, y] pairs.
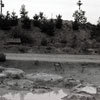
{"points": [[47, 26]]}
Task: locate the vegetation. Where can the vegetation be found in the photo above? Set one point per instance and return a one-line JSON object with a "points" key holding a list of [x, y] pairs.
{"points": [[79, 16], [56, 33], [59, 22], [26, 22], [2, 57]]}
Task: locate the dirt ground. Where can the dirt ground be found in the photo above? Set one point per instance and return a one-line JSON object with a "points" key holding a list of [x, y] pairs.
{"points": [[88, 72]]}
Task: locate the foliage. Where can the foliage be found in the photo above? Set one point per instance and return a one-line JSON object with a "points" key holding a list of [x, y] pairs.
{"points": [[26, 22], [16, 32], [5, 21], [36, 21], [44, 42], [23, 12], [26, 38], [2, 57], [75, 25], [14, 19], [95, 34], [59, 22], [79, 16], [48, 26]]}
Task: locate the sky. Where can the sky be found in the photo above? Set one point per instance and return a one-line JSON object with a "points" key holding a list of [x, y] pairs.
{"points": [[51, 8]]}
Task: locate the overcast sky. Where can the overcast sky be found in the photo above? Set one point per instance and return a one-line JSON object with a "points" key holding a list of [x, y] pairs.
{"points": [[54, 7]]}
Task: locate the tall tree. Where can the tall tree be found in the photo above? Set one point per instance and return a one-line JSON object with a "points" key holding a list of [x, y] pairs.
{"points": [[59, 22], [26, 22], [14, 19], [79, 15]]}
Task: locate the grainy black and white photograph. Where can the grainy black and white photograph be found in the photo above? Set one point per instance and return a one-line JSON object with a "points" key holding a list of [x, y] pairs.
{"points": [[49, 50]]}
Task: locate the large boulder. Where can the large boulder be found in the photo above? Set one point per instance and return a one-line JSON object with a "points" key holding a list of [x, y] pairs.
{"points": [[14, 73], [44, 77]]}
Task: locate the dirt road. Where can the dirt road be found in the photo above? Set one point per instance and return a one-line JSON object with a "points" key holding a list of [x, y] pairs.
{"points": [[54, 57]]}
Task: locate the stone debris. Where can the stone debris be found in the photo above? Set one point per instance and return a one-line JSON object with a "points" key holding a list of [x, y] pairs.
{"points": [[85, 88], [14, 73], [77, 96], [20, 84], [16, 79], [88, 89], [44, 77], [70, 83]]}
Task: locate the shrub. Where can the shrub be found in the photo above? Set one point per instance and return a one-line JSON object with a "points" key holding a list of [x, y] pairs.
{"points": [[36, 21], [26, 23], [2, 57], [44, 42], [26, 38], [59, 22], [14, 19], [5, 22], [48, 27], [16, 32], [23, 49], [75, 25]]}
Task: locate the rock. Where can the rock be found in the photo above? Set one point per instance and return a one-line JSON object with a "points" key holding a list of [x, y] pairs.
{"points": [[88, 88], [2, 77], [1, 69], [79, 97], [14, 73], [21, 84], [70, 83], [44, 77]]}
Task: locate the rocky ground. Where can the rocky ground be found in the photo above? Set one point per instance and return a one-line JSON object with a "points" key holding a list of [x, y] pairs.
{"points": [[44, 81]]}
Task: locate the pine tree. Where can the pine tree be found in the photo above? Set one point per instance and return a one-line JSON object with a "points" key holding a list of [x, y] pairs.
{"points": [[59, 22], [14, 19], [26, 22]]}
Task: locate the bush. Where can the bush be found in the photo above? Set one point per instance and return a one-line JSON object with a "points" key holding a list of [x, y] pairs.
{"points": [[26, 38], [2, 57], [16, 32], [23, 49], [75, 25], [36, 21], [48, 27], [44, 42], [59, 22], [26, 23]]}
